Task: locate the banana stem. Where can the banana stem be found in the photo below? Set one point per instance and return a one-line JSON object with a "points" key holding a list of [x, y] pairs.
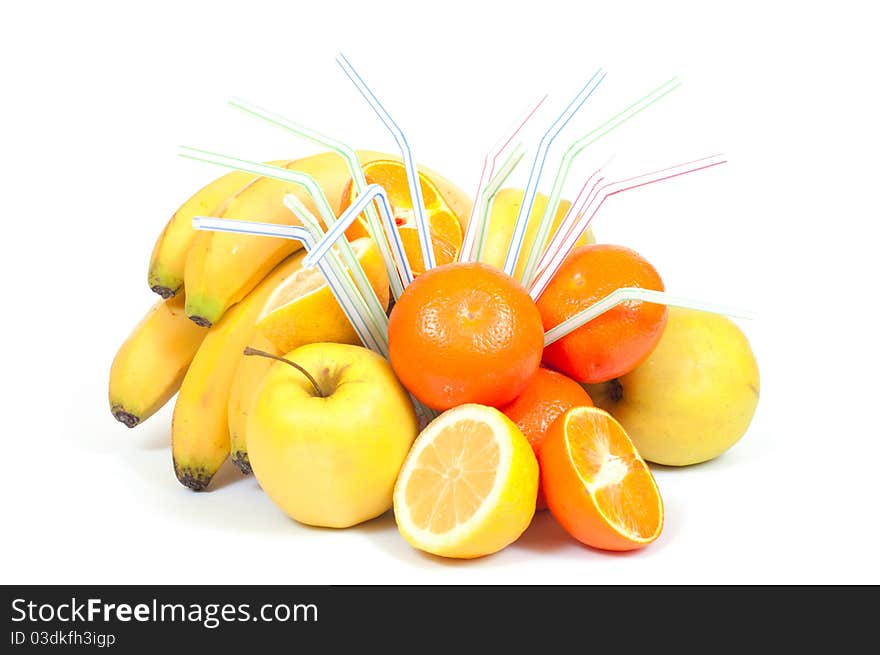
{"points": [[263, 353]]}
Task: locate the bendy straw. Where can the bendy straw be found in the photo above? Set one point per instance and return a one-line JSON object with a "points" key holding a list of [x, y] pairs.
{"points": [[317, 196], [626, 294], [266, 170], [563, 241], [348, 154], [522, 219], [365, 300], [472, 234], [412, 174], [492, 189], [298, 233], [576, 148], [402, 276]]}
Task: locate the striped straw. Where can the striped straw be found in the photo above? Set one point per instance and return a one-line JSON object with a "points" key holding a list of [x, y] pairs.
{"points": [[563, 242], [348, 154], [522, 219], [469, 245], [339, 285], [402, 275], [412, 174], [546, 222], [627, 294], [366, 303], [317, 195], [492, 189]]}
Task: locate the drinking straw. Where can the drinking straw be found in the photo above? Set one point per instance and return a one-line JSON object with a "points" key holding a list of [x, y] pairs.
{"points": [[568, 158], [625, 294], [424, 413], [348, 154], [563, 242], [366, 301], [475, 221], [488, 199], [315, 192], [402, 275], [522, 219], [412, 174], [339, 285]]}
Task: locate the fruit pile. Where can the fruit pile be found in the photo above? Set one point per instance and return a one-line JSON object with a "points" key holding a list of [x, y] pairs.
{"points": [[271, 374]]}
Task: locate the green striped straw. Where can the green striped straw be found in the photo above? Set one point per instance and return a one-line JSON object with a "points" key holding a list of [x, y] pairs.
{"points": [[626, 294], [374, 307], [576, 148], [349, 156], [492, 189]]}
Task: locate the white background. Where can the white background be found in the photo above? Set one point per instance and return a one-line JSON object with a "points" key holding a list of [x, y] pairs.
{"points": [[98, 96]]}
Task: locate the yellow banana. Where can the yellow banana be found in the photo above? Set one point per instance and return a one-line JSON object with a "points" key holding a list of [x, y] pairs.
{"points": [[221, 268], [151, 363], [166, 274], [248, 375], [200, 426]]}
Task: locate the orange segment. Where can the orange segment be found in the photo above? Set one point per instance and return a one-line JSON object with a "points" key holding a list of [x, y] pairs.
{"points": [[446, 229], [596, 484]]}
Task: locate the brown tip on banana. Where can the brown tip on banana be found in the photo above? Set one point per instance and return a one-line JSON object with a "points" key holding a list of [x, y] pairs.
{"points": [[165, 292], [240, 459], [128, 419], [196, 479]]}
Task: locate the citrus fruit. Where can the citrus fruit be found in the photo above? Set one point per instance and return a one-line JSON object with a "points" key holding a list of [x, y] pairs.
{"points": [[303, 309], [597, 486], [465, 333], [468, 486], [502, 219], [618, 340], [445, 224], [548, 395], [695, 394], [327, 447]]}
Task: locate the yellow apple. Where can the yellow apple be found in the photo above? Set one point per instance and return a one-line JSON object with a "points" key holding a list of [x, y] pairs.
{"points": [[328, 432], [693, 397]]}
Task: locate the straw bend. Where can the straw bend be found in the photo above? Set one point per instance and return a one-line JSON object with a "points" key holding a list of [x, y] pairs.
{"points": [[531, 189], [412, 175], [626, 294]]}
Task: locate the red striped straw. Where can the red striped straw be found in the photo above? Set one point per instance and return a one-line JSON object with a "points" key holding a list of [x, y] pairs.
{"points": [[563, 241], [468, 253]]}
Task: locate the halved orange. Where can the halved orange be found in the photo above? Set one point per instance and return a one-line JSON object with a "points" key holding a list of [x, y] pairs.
{"points": [[446, 228], [596, 483]]}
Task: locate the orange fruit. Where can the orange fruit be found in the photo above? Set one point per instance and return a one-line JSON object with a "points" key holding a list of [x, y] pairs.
{"points": [[465, 333], [597, 486], [620, 339], [548, 395], [446, 226]]}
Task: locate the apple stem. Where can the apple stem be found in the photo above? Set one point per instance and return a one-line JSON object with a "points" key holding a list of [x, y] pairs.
{"points": [[263, 353]]}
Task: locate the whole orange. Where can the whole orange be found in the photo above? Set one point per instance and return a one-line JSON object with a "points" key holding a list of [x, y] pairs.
{"points": [[465, 333], [548, 395], [616, 342]]}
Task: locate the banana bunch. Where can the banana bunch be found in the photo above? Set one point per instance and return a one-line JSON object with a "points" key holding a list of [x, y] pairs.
{"points": [[213, 287]]}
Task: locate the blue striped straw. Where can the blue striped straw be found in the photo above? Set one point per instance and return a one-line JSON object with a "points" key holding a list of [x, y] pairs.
{"points": [[400, 278], [301, 234], [522, 219], [412, 174]]}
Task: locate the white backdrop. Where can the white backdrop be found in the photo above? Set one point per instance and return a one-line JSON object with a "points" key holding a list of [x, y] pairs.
{"points": [[98, 96]]}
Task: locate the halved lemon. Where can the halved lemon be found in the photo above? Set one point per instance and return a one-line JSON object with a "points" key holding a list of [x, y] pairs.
{"points": [[469, 485], [446, 227], [303, 310], [596, 484]]}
